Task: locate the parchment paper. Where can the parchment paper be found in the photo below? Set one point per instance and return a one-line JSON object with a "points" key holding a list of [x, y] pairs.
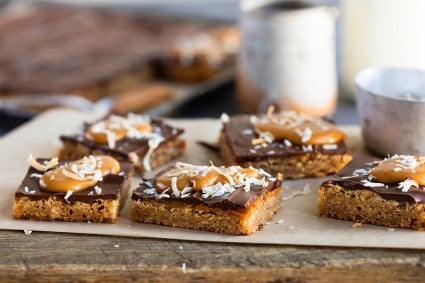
{"points": [[296, 223]]}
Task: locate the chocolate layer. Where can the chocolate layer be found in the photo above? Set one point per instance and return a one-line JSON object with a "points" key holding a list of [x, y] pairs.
{"points": [[239, 133], [238, 199], [124, 146], [346, 180], [111, 186]]}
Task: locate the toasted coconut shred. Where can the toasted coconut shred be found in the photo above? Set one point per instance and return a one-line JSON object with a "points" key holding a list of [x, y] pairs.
{"points": [[176, 191], [129, 123], [401, 162], [153, 143], [234, 180], [88, 169], [288, 119], [68, 194], [40, 167], [407, 184]]}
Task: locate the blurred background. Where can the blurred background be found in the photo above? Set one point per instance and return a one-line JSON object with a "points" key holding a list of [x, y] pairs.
{"points": [[178, 58]]}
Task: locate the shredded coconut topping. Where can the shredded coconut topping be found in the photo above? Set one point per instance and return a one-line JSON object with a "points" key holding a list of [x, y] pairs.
{"points": [[98, 190], [287, 142], [88, 169], [234, 176], [303, 125], [330, 146], [176, 191], [68, 194], [368, 183], [307, 147], [40, 167], [129, 123], [164, 194], [216, 190], [406, 162], [304, 134], [153, 144], [407, 184], [291, 119], [360, 172], [35, 175]]}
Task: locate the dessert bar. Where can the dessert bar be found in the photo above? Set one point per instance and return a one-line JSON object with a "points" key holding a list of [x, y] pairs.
{"points": [[85, 190], [389, 192], [292, 144], [199, 56], [146, 142], [231, 200]]}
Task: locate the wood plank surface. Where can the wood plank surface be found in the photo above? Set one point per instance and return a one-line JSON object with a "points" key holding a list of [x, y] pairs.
{"points": [[48, 257]]}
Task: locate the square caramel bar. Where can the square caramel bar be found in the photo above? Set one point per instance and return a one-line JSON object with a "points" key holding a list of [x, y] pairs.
{"points": [[98, 202], [146, 142], [295, 145], [387, 192], [231, 200]]}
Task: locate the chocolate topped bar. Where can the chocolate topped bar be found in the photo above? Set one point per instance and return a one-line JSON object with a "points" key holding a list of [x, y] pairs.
{"points": [[240, 133], [110, 186], [145, 141], [356, 176], [232, 200], [127, 145], [293, 144], [88, 189], [389, 192]]}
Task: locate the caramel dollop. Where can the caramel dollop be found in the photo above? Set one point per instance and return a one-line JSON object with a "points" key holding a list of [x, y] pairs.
{"points": [[304, 132], [208, 177], [400, 168], [80, 174]]}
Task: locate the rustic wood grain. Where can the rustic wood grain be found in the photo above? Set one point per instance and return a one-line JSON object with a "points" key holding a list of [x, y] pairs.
{"points": [[48, 257]]}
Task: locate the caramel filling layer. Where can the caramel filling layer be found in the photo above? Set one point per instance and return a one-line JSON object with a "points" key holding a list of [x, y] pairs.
{"points": [[80, 174], [399, 168], [200, 179]]}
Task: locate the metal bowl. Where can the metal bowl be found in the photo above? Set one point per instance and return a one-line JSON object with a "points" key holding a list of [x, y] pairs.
{"points": [[391, 107]]}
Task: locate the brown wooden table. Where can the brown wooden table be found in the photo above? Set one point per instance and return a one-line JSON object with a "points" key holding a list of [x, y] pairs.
{"points": [[47, 257]]}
